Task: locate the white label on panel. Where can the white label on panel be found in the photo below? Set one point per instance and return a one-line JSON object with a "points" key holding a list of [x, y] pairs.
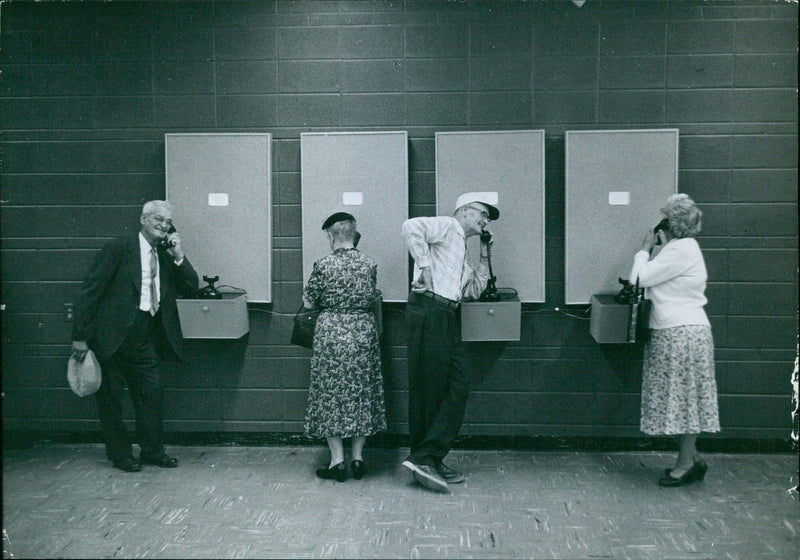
{"points": [[352, 198], [217, 199], [619, 198]]}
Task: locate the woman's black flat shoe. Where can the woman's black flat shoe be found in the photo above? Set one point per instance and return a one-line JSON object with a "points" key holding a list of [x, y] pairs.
{"points": [[699, 469], [696, 472], [359, 469], [336, 472], [669, 481]]}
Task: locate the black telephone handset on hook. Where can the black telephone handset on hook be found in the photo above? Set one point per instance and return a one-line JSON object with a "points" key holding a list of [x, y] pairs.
{"points": [[490, 293], [209, 291], [166, 242]]}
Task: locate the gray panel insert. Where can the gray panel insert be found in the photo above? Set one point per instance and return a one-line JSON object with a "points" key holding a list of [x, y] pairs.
{"points": [[365, 174], [510, 163], [616, 183], [221, 186]]}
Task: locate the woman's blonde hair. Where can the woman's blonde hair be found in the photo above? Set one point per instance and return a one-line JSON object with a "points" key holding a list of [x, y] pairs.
{"points": [[685, 218]]}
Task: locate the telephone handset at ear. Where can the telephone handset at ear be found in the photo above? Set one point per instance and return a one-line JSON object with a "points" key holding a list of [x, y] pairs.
{"points": [[663, 225], [490, 293], [166, 242]]}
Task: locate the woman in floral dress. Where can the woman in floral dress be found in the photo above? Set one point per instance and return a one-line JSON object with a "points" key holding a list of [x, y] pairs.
{"points": [[679, 392], [345, 396]]}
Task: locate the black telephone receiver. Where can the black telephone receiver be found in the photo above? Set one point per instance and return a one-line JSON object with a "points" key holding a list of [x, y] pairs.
{"points": [[165, 242], [663, 225], [490, 293]]}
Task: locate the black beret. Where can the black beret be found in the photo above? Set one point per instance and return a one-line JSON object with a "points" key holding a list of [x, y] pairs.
{"points": [[337, 217]]}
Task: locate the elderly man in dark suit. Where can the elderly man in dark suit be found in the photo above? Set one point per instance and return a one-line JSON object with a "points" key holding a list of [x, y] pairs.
{"points": [[126, 313]]}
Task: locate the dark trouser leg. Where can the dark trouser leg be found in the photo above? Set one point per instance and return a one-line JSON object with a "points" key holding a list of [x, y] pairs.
{"points": [[134, 363], [448, 418], [109, 410], [147, 393], [438, 379], [425, 380]]}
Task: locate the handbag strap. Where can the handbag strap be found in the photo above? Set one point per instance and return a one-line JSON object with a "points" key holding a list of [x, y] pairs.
{"points": [[301, 310]]}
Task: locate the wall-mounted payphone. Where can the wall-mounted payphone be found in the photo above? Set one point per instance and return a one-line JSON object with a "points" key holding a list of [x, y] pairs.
{"points": [[620, 318], [496, 316], [220, 184], [510, 163], [615, 183]]}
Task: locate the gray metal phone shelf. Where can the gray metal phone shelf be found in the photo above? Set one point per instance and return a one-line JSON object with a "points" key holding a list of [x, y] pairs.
{"points": [[214, 318], [491, 321], [610, 321]]}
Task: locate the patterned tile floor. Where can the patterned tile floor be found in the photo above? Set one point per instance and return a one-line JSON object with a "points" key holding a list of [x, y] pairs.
{"points": [[65, 501]]}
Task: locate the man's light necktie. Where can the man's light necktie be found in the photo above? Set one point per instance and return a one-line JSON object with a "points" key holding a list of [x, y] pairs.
{"points": [[153, 274]]}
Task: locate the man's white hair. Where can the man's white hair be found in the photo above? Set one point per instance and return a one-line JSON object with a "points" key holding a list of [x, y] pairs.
{"points": [[155, 206]]}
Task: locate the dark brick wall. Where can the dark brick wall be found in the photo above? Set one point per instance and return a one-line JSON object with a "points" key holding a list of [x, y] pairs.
{"points": [[89, 89]]}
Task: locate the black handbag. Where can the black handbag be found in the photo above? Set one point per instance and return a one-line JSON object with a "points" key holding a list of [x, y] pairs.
{"points": [[305, 321], [642, 326]]}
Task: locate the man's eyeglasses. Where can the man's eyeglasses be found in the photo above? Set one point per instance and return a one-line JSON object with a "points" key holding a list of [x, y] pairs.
{"points": [[159, 219], [483, 213]]}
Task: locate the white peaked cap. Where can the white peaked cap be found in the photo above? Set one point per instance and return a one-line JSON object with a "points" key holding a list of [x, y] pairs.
{"points": [[488, 199]]}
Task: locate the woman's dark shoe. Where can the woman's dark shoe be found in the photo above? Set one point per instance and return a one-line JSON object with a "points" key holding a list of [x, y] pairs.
{"points": [[336, 472], [699, 469], [359, 469], [696, 472], [669, 481]]}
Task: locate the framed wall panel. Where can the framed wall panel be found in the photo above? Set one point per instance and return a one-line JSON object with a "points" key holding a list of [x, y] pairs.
{"points": [[510, 163], [616, 183], [221, 187], [365, 174]]}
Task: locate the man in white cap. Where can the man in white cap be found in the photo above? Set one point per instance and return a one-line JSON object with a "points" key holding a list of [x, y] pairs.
{"points": [[438, 367]]}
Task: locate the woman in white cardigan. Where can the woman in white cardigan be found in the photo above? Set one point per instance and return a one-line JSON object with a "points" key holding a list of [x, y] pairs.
{"points": [[679, 391]]}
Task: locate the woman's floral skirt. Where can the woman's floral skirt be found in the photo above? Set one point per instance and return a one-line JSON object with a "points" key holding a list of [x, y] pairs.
{"points": [[679, 391]]}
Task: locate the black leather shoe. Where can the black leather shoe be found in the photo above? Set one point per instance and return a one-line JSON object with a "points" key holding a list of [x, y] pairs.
{"points": [[669, 481], [336, 472], [128, 465], [699, 470], [165, 461], [359, 469]]}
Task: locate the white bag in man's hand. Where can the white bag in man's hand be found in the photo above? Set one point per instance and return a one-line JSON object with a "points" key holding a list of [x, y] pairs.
{"points": [[84, 377]]}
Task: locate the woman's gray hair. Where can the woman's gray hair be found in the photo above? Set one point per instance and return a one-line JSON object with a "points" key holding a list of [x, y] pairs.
{"points": [[344, 230], [685, 218], [155, 206]]}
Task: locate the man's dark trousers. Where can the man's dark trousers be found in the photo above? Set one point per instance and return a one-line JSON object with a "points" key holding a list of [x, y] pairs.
{"points": [[438, 378], [135, 363]]}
